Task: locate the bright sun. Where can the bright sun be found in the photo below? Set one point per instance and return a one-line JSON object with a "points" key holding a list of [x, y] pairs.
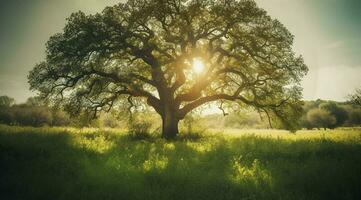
{"points": [[198, 65]]}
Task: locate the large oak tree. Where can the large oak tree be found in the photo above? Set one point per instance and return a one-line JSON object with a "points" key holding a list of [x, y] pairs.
{"points": [[154, 50]]}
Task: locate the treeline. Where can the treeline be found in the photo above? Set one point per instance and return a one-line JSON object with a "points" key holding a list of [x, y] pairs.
{"points": [[316, 114], [330, 114], [34, 112]]}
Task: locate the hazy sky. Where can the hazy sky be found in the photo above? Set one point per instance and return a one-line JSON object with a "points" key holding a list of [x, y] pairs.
{"points": [[327, 33]]}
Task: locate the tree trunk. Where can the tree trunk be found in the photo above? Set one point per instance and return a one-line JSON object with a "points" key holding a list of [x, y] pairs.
{"points": [[169, 125]]}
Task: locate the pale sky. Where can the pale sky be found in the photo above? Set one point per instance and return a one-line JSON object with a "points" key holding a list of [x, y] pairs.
{"points": [[327, 33]]}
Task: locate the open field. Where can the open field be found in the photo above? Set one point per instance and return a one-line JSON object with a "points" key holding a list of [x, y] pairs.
{"points": [[66, 163]]}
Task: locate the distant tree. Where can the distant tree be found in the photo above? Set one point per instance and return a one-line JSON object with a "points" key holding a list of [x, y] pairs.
{"points": [[318, 118], [337, 111], [354, 117], [175, 56], [32, 115], [6, 101], [6, 115], [355, 98], [308, 105], [35, 101]]}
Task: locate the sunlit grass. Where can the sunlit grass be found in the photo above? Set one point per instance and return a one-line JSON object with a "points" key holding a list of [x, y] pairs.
{"points": [[69, 163]]}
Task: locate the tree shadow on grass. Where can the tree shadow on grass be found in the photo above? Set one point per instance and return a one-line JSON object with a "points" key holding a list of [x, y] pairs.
{"points": [[63, 165], [37, 165]]}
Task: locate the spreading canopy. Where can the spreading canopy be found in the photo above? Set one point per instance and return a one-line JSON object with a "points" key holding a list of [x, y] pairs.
{"points": [[176, 55]]}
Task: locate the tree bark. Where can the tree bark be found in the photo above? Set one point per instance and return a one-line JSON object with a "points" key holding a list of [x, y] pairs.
{"points": [[169, 124]]}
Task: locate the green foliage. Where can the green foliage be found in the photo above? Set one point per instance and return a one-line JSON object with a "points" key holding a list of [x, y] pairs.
{"points": [[35, 101], [354, 117], [319, 118], [37, 113], [139, 130], [60, 118], [67, 163], [134, 50], [6, 101], [337, 111], [344, 113], [142, 125], [7, 116], [33, 114], [289, 116]]}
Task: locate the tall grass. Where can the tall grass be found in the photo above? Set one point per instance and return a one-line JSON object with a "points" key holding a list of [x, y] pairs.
{"points": [[66, 163]]}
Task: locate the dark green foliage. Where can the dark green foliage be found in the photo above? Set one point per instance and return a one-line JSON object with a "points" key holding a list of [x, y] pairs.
{"points": [[35, 101], [319, 118], [7, 116], [337, 111], [26, 115], [60, 118], [35, 112], [329, 114], [6, 101], [354, 117], [32, 115], [44, 163]]}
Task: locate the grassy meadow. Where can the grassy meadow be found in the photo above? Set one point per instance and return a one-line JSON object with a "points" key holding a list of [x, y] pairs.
{"points": [[69, 163]]}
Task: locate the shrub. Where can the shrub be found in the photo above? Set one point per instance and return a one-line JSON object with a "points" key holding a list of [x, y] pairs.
{"points": [[140, 126], [139, 130], [318, 118], [354, 117], [32, 115], [337, 111], [6, 115]]}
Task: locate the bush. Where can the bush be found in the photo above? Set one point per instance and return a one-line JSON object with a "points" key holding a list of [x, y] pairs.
{"points": [[139, 130], [337, 111], [6, 115], [141, 126], [318, 118], [32, 115], [354, 117]]}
